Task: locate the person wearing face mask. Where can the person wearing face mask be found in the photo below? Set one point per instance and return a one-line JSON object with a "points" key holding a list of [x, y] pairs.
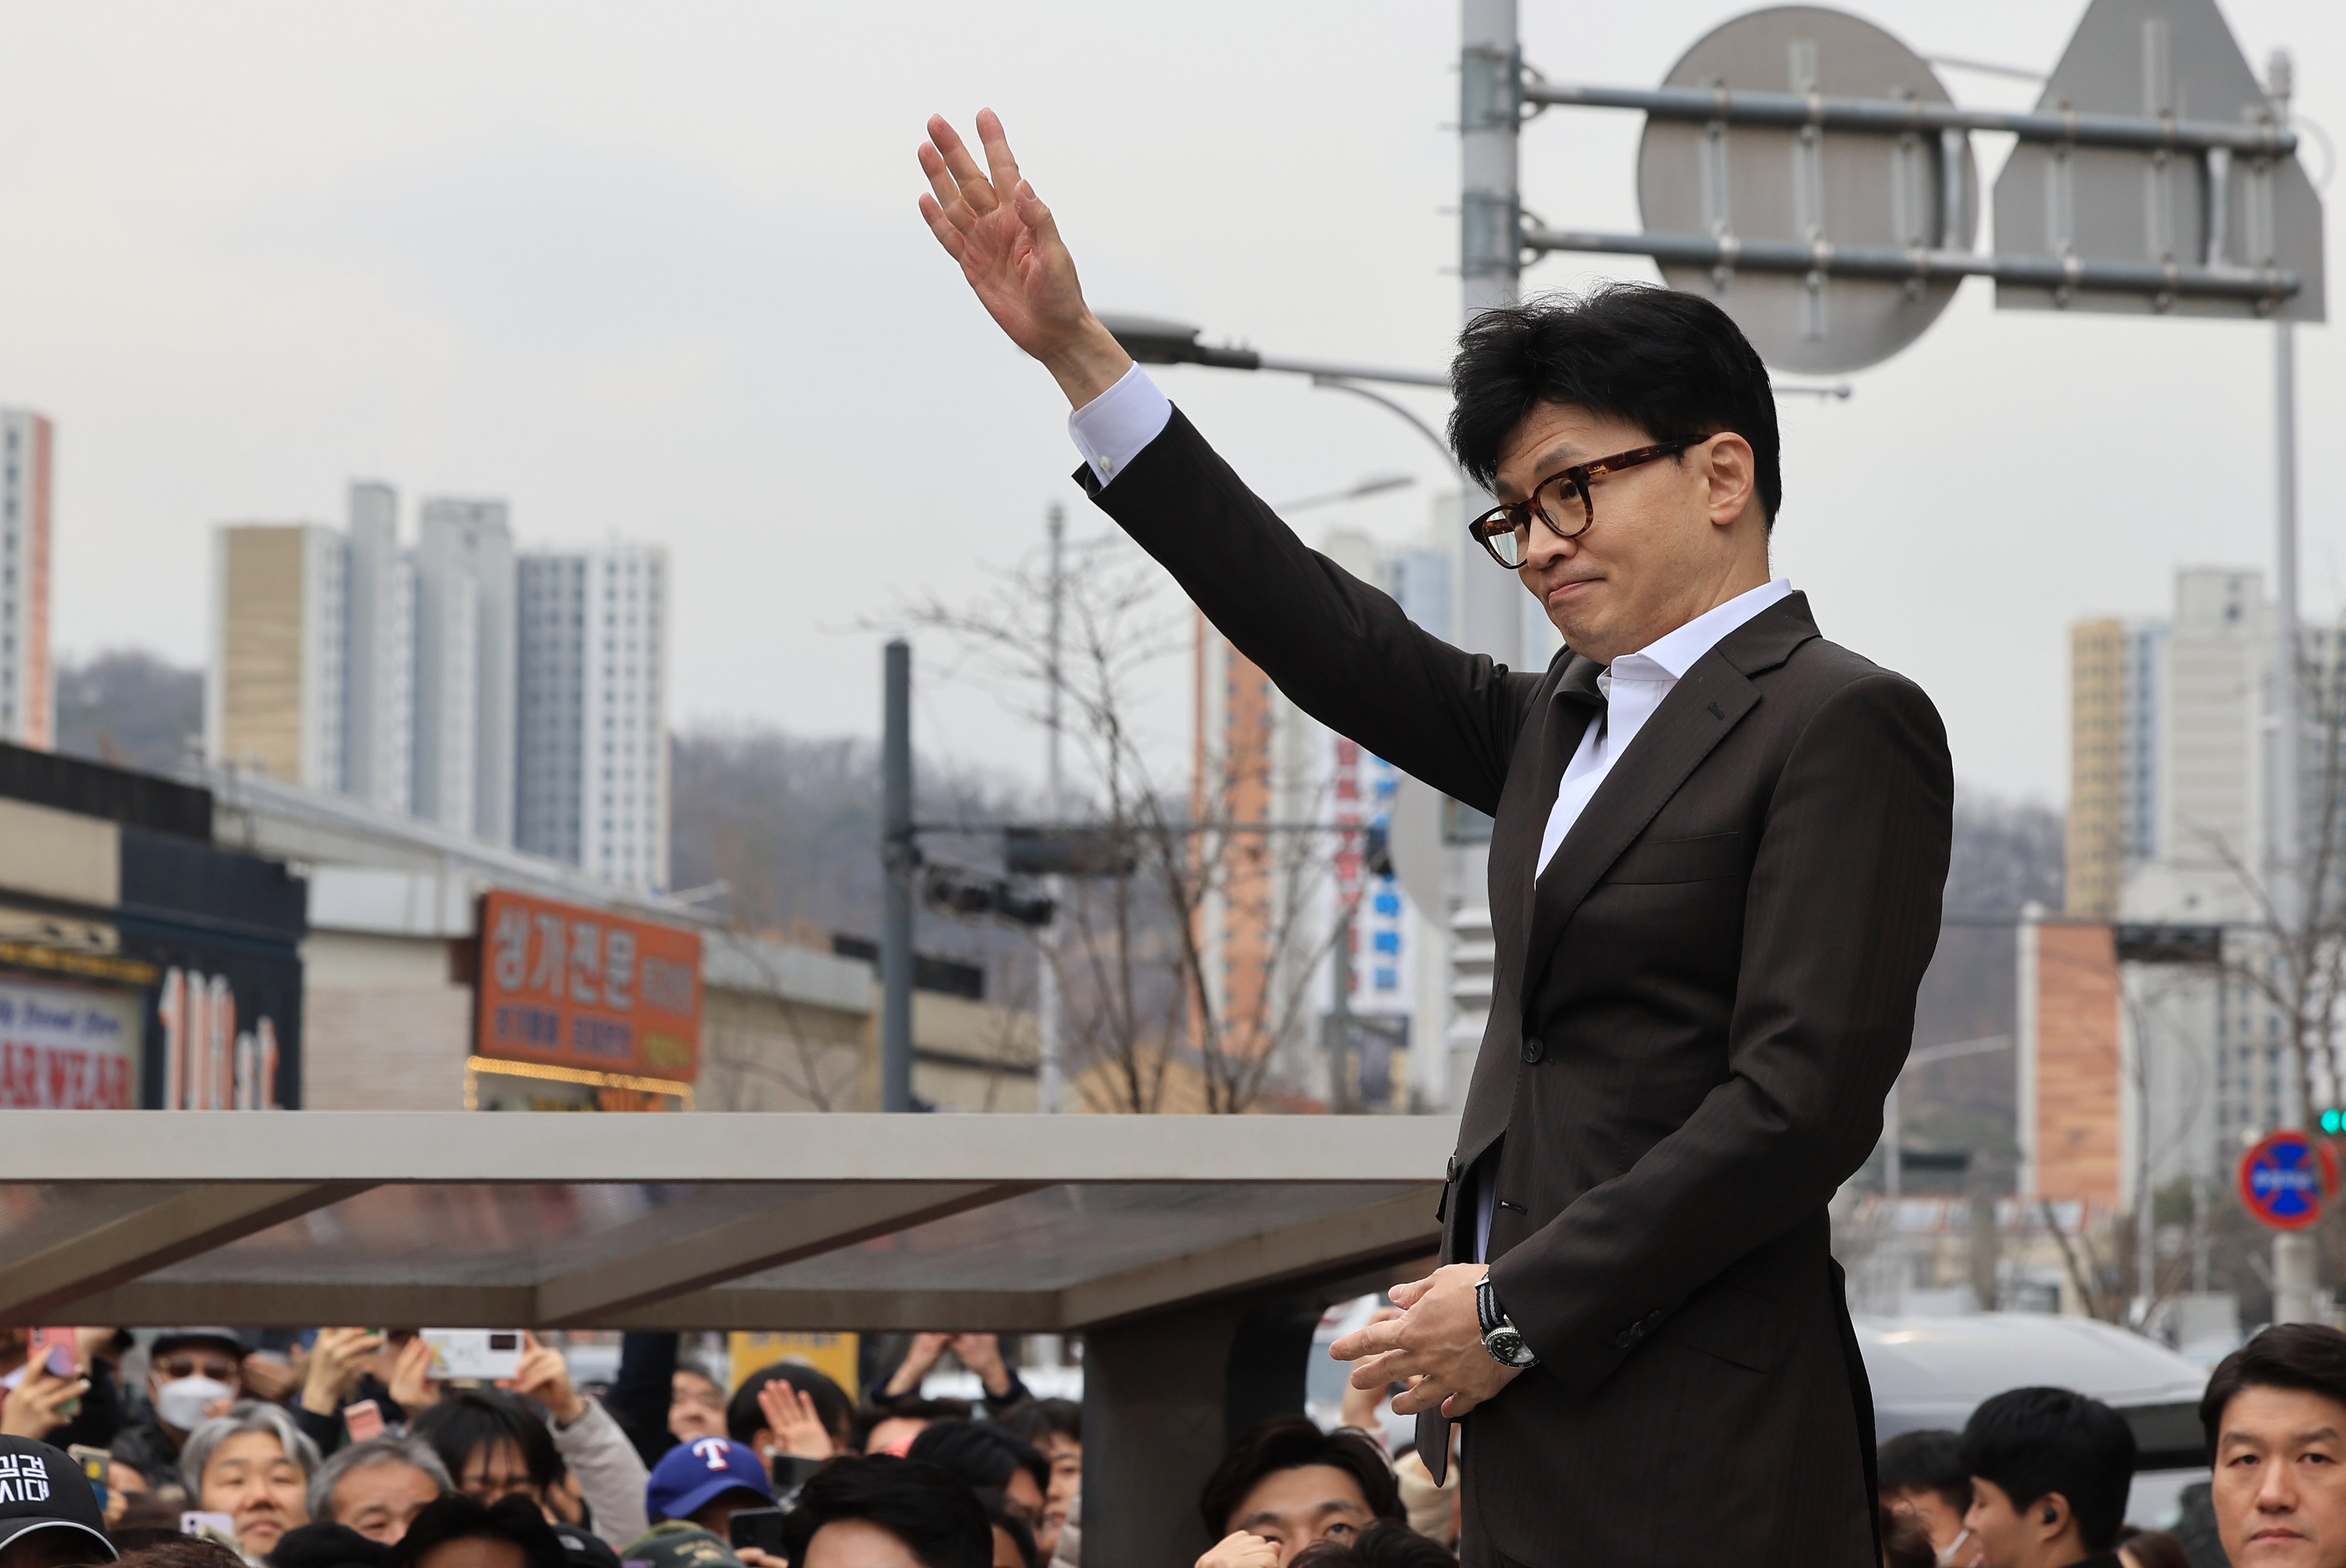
{"points": [[1921, 1475], [193, 1375]]}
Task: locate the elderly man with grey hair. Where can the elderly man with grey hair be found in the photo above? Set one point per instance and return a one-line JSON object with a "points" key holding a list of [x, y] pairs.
{"points": [[379, 1486], [254, 1465]]}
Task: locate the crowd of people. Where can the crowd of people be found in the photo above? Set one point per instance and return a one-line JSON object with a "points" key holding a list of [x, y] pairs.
{"points": [[342, 1451]]}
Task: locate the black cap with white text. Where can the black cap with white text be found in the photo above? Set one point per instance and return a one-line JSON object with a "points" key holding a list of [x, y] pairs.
{"points": [[41, 1489]]}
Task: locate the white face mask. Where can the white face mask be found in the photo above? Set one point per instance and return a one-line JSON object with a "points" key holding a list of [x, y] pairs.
{"points": [[183, 1402], [1947, 1552]]}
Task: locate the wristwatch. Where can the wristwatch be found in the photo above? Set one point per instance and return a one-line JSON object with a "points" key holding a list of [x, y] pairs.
{"points": [[1499, 1335]]}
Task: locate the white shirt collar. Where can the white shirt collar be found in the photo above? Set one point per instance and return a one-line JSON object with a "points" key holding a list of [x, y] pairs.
{"points": [[1671, 655]]}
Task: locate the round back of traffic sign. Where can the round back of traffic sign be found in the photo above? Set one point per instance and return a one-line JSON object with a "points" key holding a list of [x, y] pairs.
{"points": [[2284, 1177]]}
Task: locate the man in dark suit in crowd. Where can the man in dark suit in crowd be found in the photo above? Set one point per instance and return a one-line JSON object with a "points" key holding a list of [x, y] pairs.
{"points": [[1714, 882]]}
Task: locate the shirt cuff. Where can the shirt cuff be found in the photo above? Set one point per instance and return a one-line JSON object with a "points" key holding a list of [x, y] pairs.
{"points": [[1111, 429]]}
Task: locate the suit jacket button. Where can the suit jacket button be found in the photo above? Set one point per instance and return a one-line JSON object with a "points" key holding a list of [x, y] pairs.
{"points": [[1624, 1339], [1533, 1052], [1451, 1175], [1653, 1321]]}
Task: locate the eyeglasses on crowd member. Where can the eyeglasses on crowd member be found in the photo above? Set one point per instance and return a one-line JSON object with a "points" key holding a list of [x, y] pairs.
{"points": [[462, 1532], [254, 1465], [876, 1511], [2275, 1416], [1054, 1429], [50, 1516], [987, 1460], [1286, 1484], [2050, 1471], [1921, 1475], [379, 1486], [575, 1462]]}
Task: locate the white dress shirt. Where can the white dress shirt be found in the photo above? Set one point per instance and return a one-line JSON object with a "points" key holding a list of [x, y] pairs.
{"points": [[1110, 431]]}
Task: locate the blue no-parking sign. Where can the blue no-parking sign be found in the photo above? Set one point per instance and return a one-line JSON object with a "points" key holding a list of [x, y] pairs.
{"points": [[2284, 1178]]}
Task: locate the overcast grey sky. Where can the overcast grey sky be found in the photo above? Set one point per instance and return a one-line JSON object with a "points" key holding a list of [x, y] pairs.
{"points": [[655, 271]]}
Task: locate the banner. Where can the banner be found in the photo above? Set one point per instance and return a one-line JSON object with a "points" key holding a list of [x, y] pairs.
{"points": [[587, 989], [65, 1049]]}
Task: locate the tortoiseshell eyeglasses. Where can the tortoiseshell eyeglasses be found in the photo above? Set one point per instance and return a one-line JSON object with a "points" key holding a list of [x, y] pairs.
{"points": [[1562, 501]]}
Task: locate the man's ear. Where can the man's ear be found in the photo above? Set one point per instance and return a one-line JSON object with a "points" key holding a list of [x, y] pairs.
{"points": [[2053, 1515], [1733, 473], [762, 1439]]}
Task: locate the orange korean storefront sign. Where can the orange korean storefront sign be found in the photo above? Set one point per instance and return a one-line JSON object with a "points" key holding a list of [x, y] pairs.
{"points": [[588, 990]]}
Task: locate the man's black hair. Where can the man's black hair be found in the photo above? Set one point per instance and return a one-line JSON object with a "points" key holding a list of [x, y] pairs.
{"points": [[468, 1420], [1925, 1462], [1673, 364], [1290, 1442], [1037, 1421], [515, 1521], [932, 1511], [2034, 1442], [982, 1456], [319, 1545], [2286, 1356], [904, 1407], [1383, 1544], [744, 1418], [999, 1517]]}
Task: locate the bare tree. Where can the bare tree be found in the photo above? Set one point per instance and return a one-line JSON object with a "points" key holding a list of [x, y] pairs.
{"points": [[1148, 1024]]}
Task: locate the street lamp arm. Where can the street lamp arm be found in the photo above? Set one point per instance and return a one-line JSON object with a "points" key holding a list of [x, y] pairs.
{"points": [[1335, 382], [1317, 372]]}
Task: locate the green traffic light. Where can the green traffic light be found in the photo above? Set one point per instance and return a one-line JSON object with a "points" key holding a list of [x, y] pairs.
{"points": [[2333, 1120]]}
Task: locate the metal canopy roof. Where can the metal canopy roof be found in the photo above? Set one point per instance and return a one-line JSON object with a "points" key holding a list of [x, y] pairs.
{"points": [[701, 1221]]}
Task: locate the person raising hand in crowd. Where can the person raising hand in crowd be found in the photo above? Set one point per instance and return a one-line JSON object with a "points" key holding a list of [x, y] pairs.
{"points": [[979, 1353]]}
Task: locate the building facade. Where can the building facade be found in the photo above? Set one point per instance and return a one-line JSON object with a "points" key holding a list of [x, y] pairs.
{"points": [[465, 667], [592, 785], [28, 678]]}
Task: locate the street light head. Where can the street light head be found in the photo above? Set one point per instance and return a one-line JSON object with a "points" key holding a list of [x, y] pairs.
{"points": [[1154, 341]]}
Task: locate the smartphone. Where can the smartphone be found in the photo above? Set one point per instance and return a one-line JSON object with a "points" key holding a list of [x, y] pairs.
{"points": [[759, 1527], [95, 1463], [59, 1351], [488, 1355], [362, 1421], [195, 1521]]}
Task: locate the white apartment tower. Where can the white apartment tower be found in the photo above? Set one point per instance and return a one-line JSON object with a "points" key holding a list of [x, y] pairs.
{"points": [[593, 783], [27, 680], [379, 674], [464, 668]]}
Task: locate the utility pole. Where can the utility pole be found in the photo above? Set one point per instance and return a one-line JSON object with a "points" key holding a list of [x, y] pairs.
{"points": [[2294, 1253], [1051, 1069], [898, 858], [1487, 610]]}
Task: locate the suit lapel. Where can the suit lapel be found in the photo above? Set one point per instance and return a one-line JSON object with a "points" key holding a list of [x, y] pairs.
{"points": [[1571, 707], [1697, 715]]}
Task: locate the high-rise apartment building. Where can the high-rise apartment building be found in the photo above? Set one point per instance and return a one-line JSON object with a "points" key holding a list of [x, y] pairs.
{"points": [[464, 668], [592, 705], [27, 679], [379, 668], [275, 700]]}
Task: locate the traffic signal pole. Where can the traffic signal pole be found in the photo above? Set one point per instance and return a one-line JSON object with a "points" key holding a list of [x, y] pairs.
{"points": [[898, 857]]}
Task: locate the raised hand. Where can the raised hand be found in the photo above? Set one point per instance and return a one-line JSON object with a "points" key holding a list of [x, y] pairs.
{"points": [[992, 222], [797, 1429]]}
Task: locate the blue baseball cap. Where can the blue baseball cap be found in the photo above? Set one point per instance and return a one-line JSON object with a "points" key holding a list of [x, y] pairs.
{"points": [[691, 1475]]}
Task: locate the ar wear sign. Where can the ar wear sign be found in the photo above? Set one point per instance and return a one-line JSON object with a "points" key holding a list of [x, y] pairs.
{"points": [[65, 1049], [587, 989]]}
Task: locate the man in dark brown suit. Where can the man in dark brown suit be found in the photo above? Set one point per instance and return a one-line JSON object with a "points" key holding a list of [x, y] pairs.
{"points": [[1714, 882]]}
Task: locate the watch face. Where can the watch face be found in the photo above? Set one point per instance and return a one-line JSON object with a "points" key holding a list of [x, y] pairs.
{"points": [[1507, 1347]]}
